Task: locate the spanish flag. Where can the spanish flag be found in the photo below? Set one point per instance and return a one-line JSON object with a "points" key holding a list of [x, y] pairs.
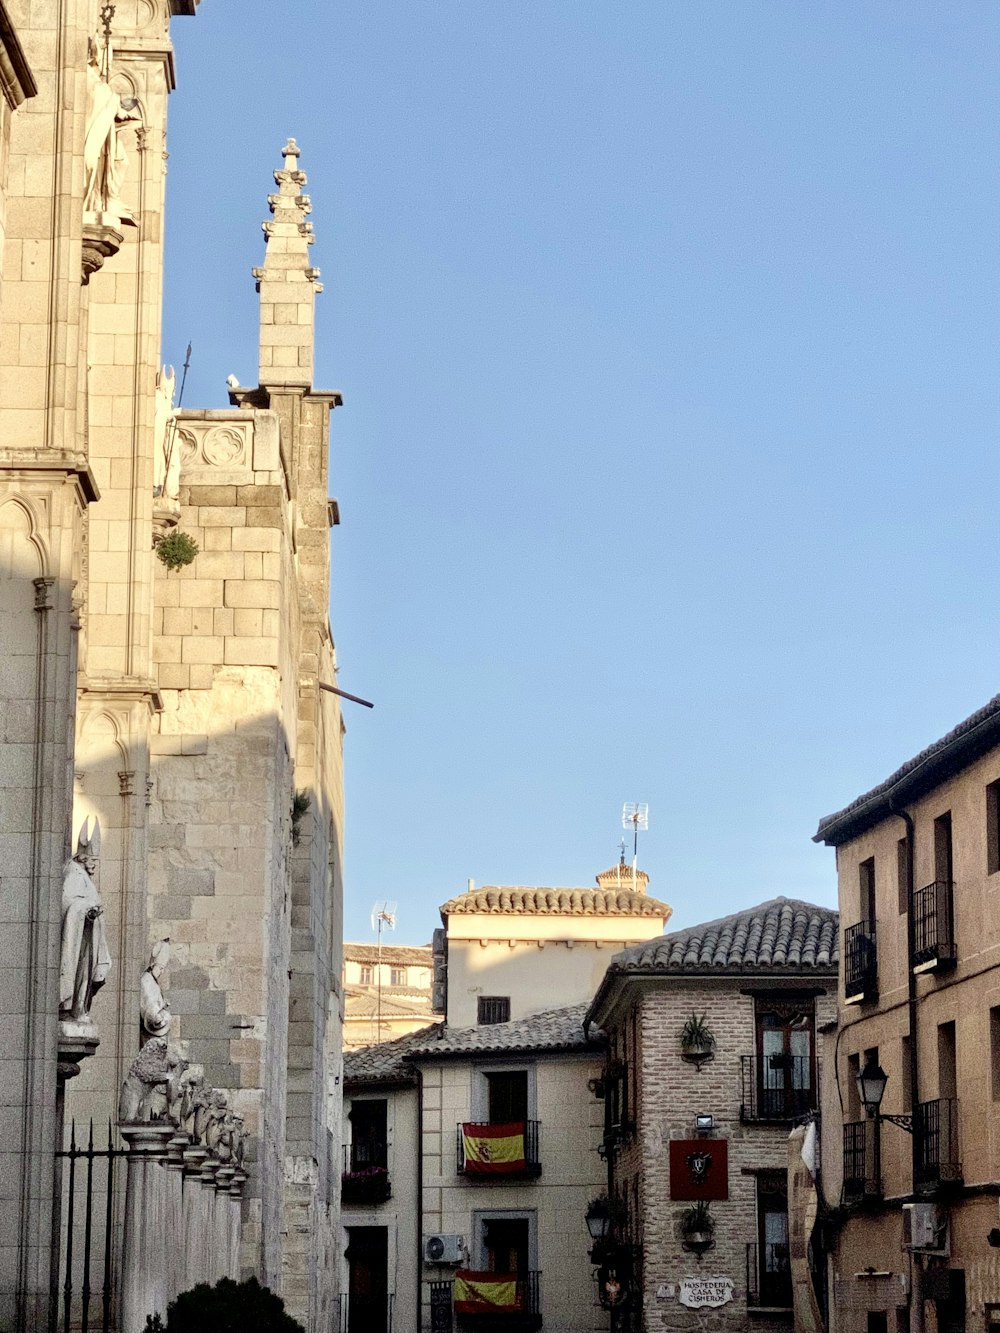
{"points": [[487, 1293], [494, 1150]]}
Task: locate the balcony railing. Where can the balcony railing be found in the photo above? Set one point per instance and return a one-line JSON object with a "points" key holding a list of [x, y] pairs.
{"points": [[777, 1087], [939, 1159], [498, 1151], [933, 927], [366, 1315], [769, 1277], [860, 1179], [487, 1301], [860, 962], [364, 1177]]}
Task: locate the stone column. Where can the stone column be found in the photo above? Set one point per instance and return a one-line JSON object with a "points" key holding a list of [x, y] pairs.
{"points": [[223, 1213], [145, 1245], [176, 1256], [193, 1243], [207, 1205]]}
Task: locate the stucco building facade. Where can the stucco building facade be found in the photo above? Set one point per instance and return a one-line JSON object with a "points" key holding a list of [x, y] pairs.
{"points": [[918, 861]]}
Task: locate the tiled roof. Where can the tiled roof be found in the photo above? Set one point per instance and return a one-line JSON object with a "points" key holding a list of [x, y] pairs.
{"points": [[781, 935], [392, 954], [550, 1030], [917, 776], [383, 1063], [359, 1003], [517, 901]]}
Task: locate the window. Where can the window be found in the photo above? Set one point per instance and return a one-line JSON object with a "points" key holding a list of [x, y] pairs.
{"points": [[947, 1073], [367, 975], [368, 1134], [368, 1279], [867, 877], [903, 873], [904, 1079], [943, 867], [397, 976], [493, 1009], [853, 1096], [786, 1070], [993, 828], [773, 1266], [507, 1096], [995, 1051]]}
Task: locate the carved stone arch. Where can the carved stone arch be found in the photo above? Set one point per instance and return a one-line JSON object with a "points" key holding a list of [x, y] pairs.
{"points": [[28, 523], [104, 723]]}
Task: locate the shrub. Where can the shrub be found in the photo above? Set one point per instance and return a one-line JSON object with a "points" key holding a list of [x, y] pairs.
{"points": [[176, 549], [228, 1307]]}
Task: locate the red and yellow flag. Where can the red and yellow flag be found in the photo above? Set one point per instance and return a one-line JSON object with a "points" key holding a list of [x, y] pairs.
{"points": [[487, 1293], [494, 1150]]}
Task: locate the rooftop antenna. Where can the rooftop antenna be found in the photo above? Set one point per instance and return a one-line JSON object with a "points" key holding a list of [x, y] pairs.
{"points": [[635, 815], [383, 917]]}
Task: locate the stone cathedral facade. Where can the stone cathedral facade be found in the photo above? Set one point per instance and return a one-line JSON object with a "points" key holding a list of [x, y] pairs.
{"points": [[171, 804]]}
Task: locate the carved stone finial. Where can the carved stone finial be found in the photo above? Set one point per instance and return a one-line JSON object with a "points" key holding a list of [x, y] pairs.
{"points": [[291, 153]]}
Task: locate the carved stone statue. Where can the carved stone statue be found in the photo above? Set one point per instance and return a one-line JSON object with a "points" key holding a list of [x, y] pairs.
{"points": [[239, 1141], [154, 1011], [144, 1083], [175, 1088], [166, 456], [104, 158], [191, 1080], [84, 958], [215, 1125], [200, 1113]]}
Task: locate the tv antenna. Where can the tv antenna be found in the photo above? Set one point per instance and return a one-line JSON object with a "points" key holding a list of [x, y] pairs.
{"points": [[635, 816], [383, 918]]}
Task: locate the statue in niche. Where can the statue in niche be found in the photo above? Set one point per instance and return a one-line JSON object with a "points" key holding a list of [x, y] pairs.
{"points": [[104, 158], [175, 1088], [239, 1141], [141, 1098], [154, 1011], [166, 453], [84, 957]]}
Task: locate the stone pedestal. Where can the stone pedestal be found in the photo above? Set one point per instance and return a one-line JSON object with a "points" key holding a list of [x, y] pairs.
{"points": [[144, 1285]]}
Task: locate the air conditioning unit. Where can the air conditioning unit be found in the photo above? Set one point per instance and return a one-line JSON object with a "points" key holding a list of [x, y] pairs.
{"points": [[923, 1227], [444, 1250]]}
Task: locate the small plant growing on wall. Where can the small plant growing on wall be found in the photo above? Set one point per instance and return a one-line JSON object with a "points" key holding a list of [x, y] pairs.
{"points": [[176, 549], [300, 807]]}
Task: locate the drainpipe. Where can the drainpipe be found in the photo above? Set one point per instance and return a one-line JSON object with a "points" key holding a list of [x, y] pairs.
{"points": [[420, 1200], [916, 1267]]}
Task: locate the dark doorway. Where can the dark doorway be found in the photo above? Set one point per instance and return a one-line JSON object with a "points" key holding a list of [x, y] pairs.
{"points": [[505, 1240], [508, 1096], [368, 1134], [368, 1281]]}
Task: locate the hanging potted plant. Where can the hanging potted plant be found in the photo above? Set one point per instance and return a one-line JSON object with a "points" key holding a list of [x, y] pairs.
{"points": [[698, 1228], [697, 1040]]}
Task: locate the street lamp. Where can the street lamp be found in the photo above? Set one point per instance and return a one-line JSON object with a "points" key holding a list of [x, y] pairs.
{"points": [[871, 1086], [598, 1220]]}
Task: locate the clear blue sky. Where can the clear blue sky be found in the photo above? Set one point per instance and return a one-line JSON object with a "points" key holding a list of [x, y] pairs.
{"points": [[668, 464]]}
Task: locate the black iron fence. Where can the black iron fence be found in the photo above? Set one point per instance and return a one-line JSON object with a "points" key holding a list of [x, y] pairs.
{"points": [[526, 1311], [90, 1245], [777, 1087], [363, 1315], [769, 1276], [933, 927], [860, 961], [936, 1125]]}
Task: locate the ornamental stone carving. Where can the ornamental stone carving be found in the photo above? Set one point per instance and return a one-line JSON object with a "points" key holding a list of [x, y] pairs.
{"points": [[224, 446], [84, 958], [154, 1011], [141, 1099]]}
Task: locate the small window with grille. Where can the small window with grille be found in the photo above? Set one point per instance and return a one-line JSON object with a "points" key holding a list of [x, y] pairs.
{"points": [[494, 1009]]}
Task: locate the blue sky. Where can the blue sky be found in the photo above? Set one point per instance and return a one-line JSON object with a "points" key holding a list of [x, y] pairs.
{"points": [[667, 334]]}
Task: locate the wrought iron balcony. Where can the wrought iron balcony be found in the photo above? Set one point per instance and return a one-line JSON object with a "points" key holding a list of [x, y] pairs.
{"points": [[861, 1182], [364, 1177], [933, 927], [939, 1159], [485, 1301], [366, 1316], [777, 1088], [494, 1152], [860, 963], [769, 1277]]}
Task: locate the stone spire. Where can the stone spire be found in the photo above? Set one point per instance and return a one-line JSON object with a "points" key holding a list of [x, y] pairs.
{"points": [[287, 283]]}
